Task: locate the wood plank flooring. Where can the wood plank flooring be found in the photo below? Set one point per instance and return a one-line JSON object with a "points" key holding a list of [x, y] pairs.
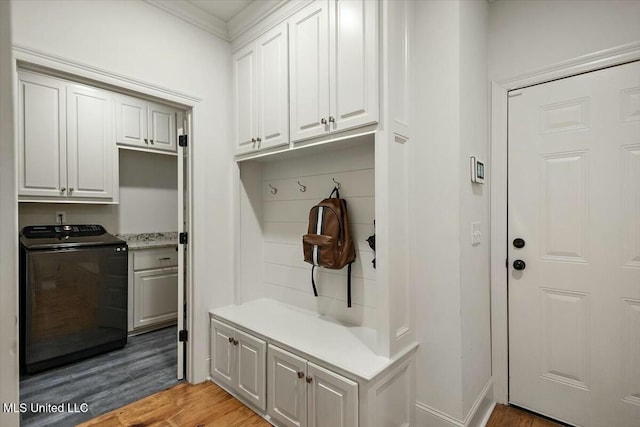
{"points": [[207, 405], [508, 416], [146, 365], [200, 405]]}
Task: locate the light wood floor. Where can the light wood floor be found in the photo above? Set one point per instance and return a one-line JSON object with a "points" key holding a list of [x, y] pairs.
{"points": [[200, 405], [206, 404]]}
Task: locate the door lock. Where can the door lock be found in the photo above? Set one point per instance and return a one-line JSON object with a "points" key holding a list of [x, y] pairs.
{"points": [[519, 264]]}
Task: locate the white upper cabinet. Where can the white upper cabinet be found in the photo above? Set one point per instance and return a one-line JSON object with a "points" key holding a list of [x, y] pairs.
{"points": [[42, 135], [90, 148], [66, 149], [309, 71], [145, 124], [333, 67], [260, 84]]}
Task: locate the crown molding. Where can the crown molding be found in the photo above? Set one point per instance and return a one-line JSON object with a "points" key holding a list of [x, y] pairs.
{"points": [[195, 16], [259, 17]]}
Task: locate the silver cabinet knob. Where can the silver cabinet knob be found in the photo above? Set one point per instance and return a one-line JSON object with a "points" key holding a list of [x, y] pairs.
{"points": [[332, 119]]}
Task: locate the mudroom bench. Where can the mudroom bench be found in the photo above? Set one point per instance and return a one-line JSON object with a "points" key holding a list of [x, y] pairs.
{"points": [[297, 368]]}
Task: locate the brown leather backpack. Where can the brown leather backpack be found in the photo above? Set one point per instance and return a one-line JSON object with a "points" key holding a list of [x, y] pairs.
{"points": [[328, 241]]}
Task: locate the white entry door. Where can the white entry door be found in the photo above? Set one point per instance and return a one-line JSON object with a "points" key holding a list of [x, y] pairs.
{"points": [[574, 200]]}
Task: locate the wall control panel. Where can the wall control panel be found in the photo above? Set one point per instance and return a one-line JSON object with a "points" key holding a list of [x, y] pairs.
{"points": [[477, 170]]}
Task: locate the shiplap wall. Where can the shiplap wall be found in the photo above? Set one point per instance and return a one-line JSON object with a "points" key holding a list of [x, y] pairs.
{"points": [[285, 276]]}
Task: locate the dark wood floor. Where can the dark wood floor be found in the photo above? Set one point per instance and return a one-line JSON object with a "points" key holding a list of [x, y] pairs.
{"points": [[507, 416], [206, 404], [146, 365]]}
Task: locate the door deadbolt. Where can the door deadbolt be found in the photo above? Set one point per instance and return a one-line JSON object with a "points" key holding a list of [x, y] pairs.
{"points": [[519, 264], [518, 243]]}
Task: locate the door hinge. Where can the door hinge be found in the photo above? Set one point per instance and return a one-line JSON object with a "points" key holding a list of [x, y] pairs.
{"points": [[183, 140], [183, 335], [183, 238], [506, 263]]}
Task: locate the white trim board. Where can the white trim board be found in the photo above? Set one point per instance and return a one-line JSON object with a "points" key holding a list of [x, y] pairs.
{"points": [[498, 181], [477, 416]]}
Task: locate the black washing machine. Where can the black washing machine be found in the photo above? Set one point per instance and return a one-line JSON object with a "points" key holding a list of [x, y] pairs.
{"points": [[73, 294]]}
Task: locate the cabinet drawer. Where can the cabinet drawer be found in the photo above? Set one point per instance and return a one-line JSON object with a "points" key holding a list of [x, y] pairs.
{"points": [[155, 258]]}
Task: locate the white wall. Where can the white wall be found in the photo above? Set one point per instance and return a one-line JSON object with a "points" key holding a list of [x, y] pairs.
{"points": [[140, 41], [451, 276], [474, 202], [525, 35], [285, 276], [8, 225]]}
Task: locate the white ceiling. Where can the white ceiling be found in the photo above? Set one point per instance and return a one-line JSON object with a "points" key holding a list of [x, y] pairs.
{"points": [[223, 9]]}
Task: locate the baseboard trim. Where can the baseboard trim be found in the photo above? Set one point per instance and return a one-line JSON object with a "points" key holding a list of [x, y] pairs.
{"points": [[477, 416]]}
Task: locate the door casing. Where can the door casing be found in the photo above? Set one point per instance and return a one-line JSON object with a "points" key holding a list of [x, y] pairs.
{"points": [[26, 57], [498, 184]]}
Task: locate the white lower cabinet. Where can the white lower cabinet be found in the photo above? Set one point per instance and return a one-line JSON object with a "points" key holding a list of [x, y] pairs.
{"points": [[154, 281], [238, 361], [302, 393]]}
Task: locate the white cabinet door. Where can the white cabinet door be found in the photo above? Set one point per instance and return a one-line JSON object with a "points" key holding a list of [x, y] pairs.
{"points": [[222, 354], [332, 400], [90, 147], [309, 71], [131, 121], [251, 369], [287, 387], [272, 104], [354, 64], [244, 95], [156, 296], [161, 127], [42, 136]]}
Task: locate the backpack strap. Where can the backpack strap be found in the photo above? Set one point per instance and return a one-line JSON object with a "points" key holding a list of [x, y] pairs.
{"points": [[313, 281], [336, 191], [349, 285]]}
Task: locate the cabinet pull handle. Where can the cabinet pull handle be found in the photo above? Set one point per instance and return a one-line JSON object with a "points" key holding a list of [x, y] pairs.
{"points": [[332, 119], [309, 379], [300, 374], [70, 190], [235, 342], [146, 141], [253, 140], [151, 140], [166, 258], [259, 139], [231, 339], [63, 189], [323, 121]]}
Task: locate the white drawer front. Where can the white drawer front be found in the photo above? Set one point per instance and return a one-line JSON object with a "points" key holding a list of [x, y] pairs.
{"points": [[155, 258]]}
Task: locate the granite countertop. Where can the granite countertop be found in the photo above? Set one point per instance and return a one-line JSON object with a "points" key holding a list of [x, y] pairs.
{"points": [[149, 240]]}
